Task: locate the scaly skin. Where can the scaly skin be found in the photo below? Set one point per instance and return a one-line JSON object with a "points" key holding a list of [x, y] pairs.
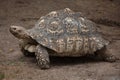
{"points": [[42, 57]]}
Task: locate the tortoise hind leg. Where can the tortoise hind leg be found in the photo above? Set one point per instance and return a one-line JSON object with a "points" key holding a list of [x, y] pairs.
{"points": [[42, 57], [106, 54]]}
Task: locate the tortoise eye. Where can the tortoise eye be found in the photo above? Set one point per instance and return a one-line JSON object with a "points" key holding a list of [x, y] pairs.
{"points": [[14, 28]]}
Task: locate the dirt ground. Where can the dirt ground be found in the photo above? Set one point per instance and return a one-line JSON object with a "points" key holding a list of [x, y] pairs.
{"points": [[14, 66]]}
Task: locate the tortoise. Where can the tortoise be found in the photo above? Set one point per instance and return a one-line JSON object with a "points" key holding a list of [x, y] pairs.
{"points": [[62, 33]]}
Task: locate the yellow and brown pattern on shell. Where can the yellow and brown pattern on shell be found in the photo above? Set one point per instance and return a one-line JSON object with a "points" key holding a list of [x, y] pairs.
{"points": [[67, 33]]}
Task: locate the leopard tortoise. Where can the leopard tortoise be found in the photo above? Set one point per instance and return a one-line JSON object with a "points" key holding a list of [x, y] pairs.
{"points": [[62, 33]]}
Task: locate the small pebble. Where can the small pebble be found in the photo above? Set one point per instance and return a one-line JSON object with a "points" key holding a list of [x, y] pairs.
{"points": [[11, 50]]}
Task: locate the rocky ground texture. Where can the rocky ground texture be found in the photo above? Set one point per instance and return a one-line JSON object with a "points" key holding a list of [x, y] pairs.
{"points": [[14, 66]]}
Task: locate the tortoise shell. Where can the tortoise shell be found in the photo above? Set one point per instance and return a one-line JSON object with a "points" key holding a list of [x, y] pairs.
{"points": [[67, 33]]}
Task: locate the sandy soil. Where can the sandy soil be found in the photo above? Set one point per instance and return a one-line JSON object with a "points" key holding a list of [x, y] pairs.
{"points": [[14, 66]]}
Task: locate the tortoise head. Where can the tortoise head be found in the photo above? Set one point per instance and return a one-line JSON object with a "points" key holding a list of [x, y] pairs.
{"points": [[19, 32]]}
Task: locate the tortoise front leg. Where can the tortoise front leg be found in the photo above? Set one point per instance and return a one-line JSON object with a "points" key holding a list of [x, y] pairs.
{"points": [[42, 57]]}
